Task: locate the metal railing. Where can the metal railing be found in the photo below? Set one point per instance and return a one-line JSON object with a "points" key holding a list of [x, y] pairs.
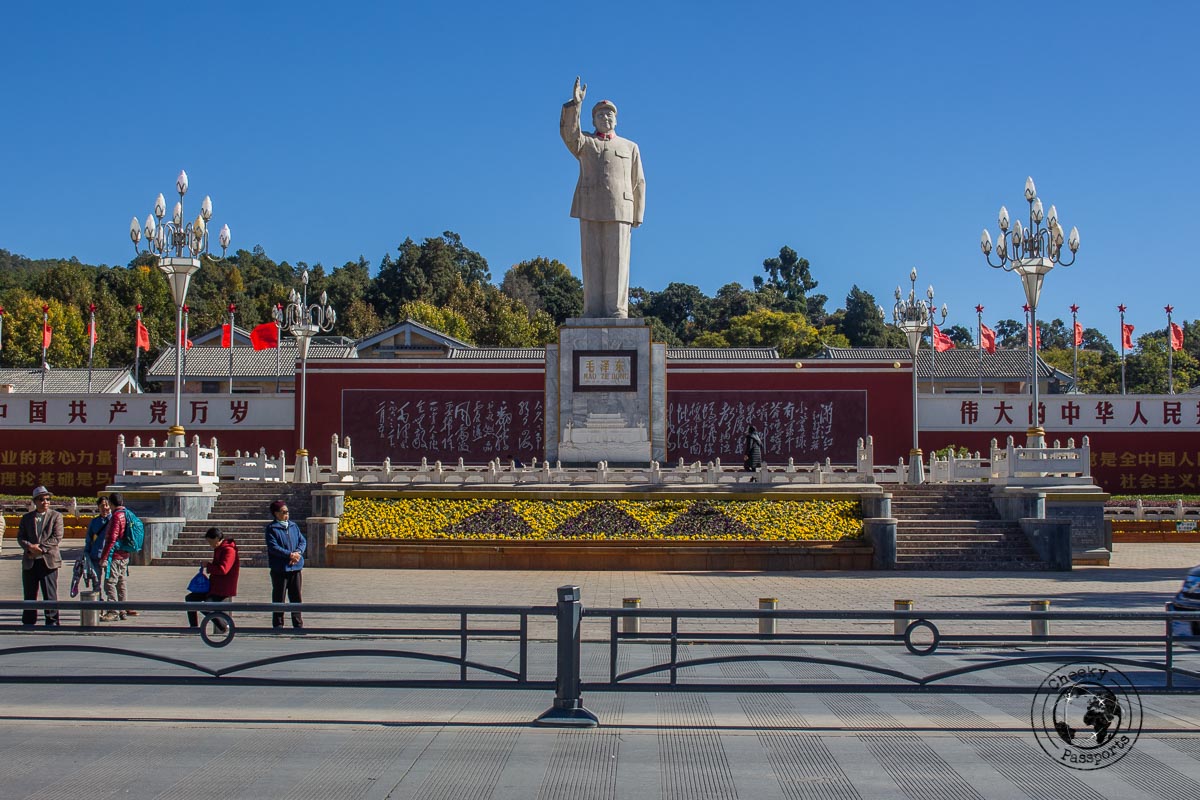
{"points": [[990, 642]]}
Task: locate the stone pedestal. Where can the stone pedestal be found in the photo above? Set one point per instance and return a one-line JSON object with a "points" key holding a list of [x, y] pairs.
{"points": [[606, 394]]}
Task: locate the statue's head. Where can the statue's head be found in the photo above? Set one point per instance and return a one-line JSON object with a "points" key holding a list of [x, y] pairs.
{"points": [[604, 116]]}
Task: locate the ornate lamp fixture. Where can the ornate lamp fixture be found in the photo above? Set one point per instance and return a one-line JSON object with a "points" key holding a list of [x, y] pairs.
{"points": [[1031, 253], [178, 246], [304, 321]]}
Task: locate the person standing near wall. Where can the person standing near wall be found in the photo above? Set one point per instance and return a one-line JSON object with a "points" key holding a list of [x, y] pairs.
{"points": [[114, 561], [285, 556], [39, 534]]}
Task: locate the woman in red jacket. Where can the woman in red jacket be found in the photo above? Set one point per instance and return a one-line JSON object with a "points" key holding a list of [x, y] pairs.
{"points": [[222, 574]]}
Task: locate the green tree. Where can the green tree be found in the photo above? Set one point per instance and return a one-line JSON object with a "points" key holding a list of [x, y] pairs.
{"points": [[445, 320], [961, 336], [791, 276], [791, 333], [544, 284], [430, 272], [861, 324], [1011, 334], [1146, 367], [23, 332], [676, 306]]}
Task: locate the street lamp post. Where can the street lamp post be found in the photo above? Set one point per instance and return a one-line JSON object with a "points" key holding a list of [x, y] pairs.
{"points": [[914, 316], [304, 321], [1031, 253], [178, 247]]}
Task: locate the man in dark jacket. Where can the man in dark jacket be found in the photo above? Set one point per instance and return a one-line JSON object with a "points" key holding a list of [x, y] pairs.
{"points": [[285, 556], [754, 450], [39, 534]]}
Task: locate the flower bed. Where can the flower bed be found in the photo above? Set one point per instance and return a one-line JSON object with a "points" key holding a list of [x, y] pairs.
{"points": [[581, 520]]}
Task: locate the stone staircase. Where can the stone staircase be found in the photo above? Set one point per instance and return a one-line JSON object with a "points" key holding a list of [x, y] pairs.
{"points": [[956, 527], [241, 512]]}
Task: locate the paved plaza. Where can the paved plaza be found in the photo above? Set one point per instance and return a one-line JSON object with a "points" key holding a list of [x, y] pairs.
{"points": [[106, 739]]}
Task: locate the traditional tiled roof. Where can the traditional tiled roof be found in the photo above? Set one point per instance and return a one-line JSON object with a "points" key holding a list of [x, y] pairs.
{"points": [[212, 363], [68, 381], [498, 353], [416, 327], [721, 353], [956, 364]]}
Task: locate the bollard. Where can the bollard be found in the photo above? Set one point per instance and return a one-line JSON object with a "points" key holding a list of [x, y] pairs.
{"points": [[901, 624], [568, 710], [631, 624], [88, 617], [1039, 628], [766, 625]]}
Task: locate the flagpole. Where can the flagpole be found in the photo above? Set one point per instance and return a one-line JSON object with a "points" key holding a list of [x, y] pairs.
{"points": [[278, 343], [1, 328], [1170, 354], [232, 310], [91, 341], [979, 313], [1075, 346], [1121, 308], [137, 350], [45, 324], [182, 345]]}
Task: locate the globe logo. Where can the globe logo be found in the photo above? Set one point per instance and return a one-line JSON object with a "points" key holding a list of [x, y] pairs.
{"points": [[1086, 715]]}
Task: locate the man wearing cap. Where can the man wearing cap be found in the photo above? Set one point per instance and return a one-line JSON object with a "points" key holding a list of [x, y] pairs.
{"points": [[39, 535], [609, 200], [285, 556]]}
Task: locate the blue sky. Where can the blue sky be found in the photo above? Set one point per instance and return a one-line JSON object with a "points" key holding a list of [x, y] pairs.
{"points": [[869, 137]]}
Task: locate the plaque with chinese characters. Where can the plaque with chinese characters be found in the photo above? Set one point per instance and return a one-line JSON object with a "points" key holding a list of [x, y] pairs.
{"points": [[604, 371]]}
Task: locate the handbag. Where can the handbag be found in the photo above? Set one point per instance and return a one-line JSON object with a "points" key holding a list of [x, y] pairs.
{"points": [[199, 583]]}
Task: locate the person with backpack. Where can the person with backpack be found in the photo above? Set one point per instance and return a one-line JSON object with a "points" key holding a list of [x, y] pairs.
{"points": [[222, 572], [93, 540], [124, 535], [285, 556]]}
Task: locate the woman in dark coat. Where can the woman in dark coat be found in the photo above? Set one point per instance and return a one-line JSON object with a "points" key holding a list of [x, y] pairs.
{"points": [[754, 448]]}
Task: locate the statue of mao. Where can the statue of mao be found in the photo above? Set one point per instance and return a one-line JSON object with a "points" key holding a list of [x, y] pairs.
{"points": [[609, 201]]}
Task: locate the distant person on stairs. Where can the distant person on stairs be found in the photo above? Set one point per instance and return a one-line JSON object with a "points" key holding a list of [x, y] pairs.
{"points": [[285, 556]]}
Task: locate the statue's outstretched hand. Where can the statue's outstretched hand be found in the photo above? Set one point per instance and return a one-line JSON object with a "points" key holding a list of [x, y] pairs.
{"points": [[580, 91]]}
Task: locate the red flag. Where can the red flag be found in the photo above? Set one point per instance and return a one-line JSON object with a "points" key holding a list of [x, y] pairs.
{"points": [[47, 334], [225, 337], [143, 337], [186, 342], [987, 338], [92, 332], [941, 342], [1029, 335], [1078, 334], [265, 336], [1176, 337], [1127, 336]]}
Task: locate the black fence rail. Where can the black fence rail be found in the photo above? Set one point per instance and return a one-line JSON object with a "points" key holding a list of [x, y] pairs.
{"points": [[219, 626], [919, 633], [488, 647]]}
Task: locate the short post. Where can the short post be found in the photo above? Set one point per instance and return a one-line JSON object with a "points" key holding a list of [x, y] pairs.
{"points": [[568, 710], [88, 618], [901, 623], [1039, 628], [631, 624], [766, 625]]}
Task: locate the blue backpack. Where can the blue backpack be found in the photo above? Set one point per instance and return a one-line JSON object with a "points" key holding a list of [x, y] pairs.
{"points": [[134, 535]]}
